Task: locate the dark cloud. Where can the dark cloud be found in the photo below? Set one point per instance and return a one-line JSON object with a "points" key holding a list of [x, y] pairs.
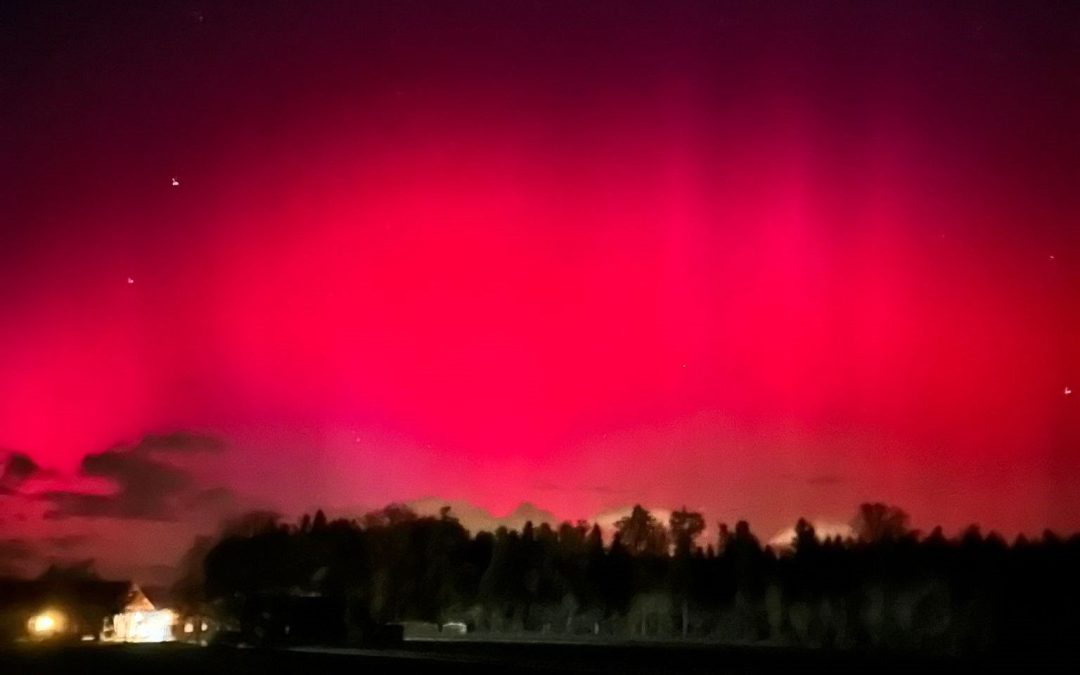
{"points": [[179, 441], [15, 556], [826, 479], [83, 568], [68, 542], [213, 499], [545, 486], [17, 469], [146, 488], [71, 504], [148, 485], [604, 489], [16, 550], [153, 579]]}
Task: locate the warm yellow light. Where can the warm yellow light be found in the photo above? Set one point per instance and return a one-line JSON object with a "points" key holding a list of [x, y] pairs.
{"points": [[153, 626], [46, 623], [189, 627]]}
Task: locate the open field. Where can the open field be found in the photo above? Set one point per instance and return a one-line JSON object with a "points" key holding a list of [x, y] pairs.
{"points": [[453, 657]]}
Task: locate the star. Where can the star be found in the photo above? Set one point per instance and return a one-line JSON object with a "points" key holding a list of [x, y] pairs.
{"points": [[175, 181], [1068, 391], [131, 280], [1052, 258]]}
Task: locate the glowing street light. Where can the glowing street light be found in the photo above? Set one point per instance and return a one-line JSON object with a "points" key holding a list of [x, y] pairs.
{"points": [[46, 624]]}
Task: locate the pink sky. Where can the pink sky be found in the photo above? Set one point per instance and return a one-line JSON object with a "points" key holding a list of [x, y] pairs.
{"points": [[767, 268]]}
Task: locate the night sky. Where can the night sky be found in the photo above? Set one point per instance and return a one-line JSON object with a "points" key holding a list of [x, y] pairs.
{"points": [[762, 259]]}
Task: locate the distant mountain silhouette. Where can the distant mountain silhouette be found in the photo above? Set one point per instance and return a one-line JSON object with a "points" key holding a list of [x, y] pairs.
{"points": [[476, 518]]}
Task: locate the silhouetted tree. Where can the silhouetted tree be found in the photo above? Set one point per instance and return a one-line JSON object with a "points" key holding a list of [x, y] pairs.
{"points": [[889, 588], [641, 533], [389, 516], [876, 522], [685, 527]]}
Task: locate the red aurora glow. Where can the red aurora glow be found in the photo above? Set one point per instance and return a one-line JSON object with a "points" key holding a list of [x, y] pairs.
{"points": [[764, 261]]}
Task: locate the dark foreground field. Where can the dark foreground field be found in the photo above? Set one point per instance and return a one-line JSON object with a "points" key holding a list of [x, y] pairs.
{"points": [[475, 658]]}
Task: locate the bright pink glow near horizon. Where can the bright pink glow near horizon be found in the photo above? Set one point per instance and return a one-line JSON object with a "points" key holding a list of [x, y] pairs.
{"points": [[727, 273]]}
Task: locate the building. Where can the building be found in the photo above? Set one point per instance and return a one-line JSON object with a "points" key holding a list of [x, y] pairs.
{"points": [[80, 609]]}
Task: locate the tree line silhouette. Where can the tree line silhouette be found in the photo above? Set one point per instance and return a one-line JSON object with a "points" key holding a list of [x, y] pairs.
{"points": [[886, 587]]}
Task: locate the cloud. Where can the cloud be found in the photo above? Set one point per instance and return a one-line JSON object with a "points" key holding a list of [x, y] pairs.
{"points": [[215, 499], [826, 479], [15, 555], [68, 542], [547, 486], [146, 488], [16, 550], [148, 484], [179, 441], [18, 468], [154, 578]]}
